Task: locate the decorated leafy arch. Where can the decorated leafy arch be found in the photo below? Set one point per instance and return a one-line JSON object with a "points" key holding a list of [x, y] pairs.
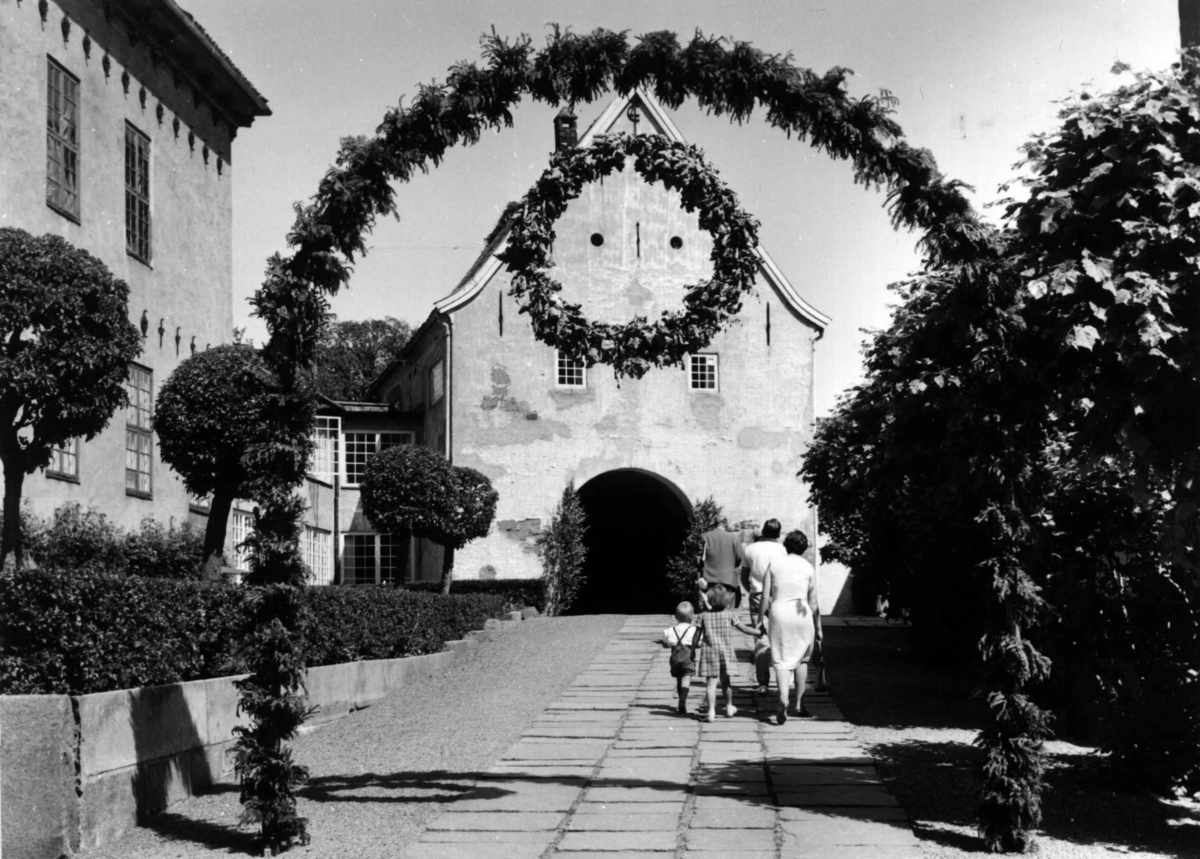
{"points": [[724, 78]]}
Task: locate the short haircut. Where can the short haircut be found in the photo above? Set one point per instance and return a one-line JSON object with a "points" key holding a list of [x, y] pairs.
{"points": [[684, 612], [771, 529], [718, 598], [796, 543]]}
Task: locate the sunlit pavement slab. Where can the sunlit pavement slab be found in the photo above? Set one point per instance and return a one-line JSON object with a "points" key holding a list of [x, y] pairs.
{"points": [[609, 769]]}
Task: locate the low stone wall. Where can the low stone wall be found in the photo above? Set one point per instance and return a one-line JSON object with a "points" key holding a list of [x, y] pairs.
{"points": [[76, 772]]}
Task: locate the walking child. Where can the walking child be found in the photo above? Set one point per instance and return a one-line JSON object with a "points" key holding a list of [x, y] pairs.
{"points": [[718, 659], [681, 638]]}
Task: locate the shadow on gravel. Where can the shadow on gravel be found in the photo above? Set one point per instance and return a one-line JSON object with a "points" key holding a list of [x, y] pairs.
{"points": [[173, 826]]}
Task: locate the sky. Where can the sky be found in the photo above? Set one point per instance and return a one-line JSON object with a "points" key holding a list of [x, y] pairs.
{"points": [[974, 80]]}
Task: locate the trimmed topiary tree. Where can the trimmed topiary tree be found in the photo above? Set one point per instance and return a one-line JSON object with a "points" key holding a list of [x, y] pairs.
{"points": [[413, 490], [210, 411], [65, 346], [564, 552]]}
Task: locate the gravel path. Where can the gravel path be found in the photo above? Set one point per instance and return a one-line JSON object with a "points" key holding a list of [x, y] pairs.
{"points": [[380, 775], [919, 723]]}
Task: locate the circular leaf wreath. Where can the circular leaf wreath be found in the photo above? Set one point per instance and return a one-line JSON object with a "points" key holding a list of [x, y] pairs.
{"points": [[635, 346]]}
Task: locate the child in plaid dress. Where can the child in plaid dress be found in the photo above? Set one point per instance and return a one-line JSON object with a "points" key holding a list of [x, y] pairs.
{"points": [[718, 659]]}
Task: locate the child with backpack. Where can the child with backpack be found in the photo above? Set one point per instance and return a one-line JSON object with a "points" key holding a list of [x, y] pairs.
{"points": [[681, 638]]}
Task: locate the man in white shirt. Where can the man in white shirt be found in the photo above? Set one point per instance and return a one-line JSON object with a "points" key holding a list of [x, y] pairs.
{"points": [[759, 556]]}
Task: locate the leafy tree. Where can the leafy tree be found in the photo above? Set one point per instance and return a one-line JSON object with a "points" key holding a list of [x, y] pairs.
{"points": [[684, 568], [410, 489], [210, 412], [1027, 433], [352, 353], [66, 346], [564, 552]]}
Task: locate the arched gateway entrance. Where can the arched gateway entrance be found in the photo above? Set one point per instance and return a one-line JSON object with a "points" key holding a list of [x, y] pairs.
{"points": [[636, 520]]}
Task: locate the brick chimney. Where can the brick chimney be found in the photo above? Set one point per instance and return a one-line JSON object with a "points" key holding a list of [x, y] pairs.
{"points": [[565, 133]]}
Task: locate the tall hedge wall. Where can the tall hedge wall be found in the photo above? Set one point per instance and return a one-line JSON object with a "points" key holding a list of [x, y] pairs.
{"points": [[78, 633]]}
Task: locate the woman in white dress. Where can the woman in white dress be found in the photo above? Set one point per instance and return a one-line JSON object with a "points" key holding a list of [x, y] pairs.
{"points": [[790, 590]]}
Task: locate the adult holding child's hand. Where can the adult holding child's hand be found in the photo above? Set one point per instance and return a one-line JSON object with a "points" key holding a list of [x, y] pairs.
{"points": [[790, 591]]}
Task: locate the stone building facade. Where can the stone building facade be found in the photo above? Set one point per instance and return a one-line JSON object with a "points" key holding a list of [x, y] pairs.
{"points": [[117, 121], [732, 424]]}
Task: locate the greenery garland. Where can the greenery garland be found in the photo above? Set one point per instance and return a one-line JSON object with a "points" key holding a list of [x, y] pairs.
{"points": [[724, 77], [634, 347]]}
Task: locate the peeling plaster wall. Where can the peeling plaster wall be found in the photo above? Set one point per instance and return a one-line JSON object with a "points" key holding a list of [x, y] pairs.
{"points": [[742, 444], [188, 285]]}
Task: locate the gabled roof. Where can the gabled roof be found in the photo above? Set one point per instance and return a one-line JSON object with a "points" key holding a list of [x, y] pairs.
{"points": [[487, 264]]}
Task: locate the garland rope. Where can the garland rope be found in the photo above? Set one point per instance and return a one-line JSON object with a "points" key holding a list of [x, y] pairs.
{"points": [[725, 78]]}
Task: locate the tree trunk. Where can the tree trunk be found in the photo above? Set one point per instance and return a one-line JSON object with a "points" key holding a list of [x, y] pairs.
{"points": [[214, 534], [1189, 23], [14, 478], [447, 568]]}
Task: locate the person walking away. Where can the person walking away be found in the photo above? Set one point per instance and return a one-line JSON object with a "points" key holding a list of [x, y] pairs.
{"points": [[681, 638], [718, 658], [721, 557], [758, 556], [790, 589]]}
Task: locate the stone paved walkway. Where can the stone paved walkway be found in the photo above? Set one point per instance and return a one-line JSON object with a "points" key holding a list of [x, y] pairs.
{"points": [[611, 770]]}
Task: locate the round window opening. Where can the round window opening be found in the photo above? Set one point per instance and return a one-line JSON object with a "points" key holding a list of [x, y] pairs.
{"points": [[676, 242], [597, 239]]}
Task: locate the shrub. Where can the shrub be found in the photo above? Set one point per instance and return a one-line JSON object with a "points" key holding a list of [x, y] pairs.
{"points": [[384, 622], [564, 552], [517, 593], [684, 568], [80, 631], [86, 541], [155, 551], [77, 632]]}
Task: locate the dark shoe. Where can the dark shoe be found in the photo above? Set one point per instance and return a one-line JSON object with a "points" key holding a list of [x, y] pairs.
{"points": [[804, 714], [681, 709], [780, 715]]}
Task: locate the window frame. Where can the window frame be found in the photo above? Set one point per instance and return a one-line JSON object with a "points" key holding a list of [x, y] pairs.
{"points": [[138, 242], [138, 428], [410, 437], [711, 360], [59, 170], [326, 427], [567, 366], [311, 548], [406, 575], [56, 458], [437, 381], [241, 526]]}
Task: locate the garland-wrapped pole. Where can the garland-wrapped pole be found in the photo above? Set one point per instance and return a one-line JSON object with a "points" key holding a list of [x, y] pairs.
{"points": [[724, 77]]}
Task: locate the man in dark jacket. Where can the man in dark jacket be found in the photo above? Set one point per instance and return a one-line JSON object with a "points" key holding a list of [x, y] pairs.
{"points": [[722, 557]]}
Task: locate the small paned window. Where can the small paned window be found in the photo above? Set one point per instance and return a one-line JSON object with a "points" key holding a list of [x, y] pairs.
{"points": [[62, 141], [64, 461], [570, 373], [702, 372], [137, 193], [318, 555], [138, 443], [324, 464], [437, 381], [375, 559], [358, 560], [361, 446], [241, 525]]}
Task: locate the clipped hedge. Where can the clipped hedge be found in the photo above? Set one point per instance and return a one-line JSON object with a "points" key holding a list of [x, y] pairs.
{"points": [[518, 593], [384, 622], [82, 632]]}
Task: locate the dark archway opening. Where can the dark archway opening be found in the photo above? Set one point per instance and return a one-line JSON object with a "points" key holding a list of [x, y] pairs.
{"points": [[636, 521]]}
